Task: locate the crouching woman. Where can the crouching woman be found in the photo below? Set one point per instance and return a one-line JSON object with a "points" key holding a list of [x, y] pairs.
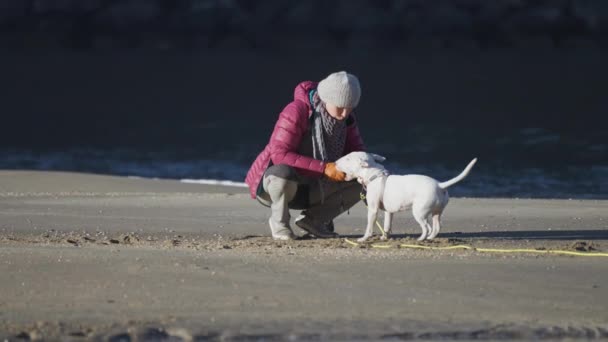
{"points": [[296, 169]]}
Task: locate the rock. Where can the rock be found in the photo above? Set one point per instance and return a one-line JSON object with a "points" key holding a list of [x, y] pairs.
{"points": [[120, 337], [157, 334]]}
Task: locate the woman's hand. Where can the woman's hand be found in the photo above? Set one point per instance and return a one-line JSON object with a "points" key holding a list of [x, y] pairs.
{"points": [[334, 174]]}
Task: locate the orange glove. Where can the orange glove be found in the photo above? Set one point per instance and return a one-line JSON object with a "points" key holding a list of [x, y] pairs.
{"points": [[333, 174]]}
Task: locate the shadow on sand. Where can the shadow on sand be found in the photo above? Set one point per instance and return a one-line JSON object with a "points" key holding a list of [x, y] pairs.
{"points": [[513, 235]]}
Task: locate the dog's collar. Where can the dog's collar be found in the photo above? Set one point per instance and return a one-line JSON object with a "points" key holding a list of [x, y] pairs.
{"points": [[382, 174], [378, 175]]}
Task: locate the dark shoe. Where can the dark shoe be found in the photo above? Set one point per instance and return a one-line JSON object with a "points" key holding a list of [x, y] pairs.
{"points": [[320, 231]]}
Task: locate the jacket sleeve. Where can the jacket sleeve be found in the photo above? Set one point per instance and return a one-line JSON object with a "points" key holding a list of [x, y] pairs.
{"points": [[354, 142], [286, 138]]}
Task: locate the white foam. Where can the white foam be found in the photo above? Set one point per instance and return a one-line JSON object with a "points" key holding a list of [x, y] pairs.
{"points": [[214, 182]]}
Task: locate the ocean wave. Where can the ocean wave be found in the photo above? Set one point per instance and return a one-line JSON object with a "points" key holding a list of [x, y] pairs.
{"points": [[214, 182], [485, 180]]}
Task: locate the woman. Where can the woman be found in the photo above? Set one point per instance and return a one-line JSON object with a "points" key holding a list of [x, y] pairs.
{"points": [[296, 170]]}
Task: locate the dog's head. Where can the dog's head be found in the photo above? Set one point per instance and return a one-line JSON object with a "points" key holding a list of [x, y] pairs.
{"points": [[353, 163]]}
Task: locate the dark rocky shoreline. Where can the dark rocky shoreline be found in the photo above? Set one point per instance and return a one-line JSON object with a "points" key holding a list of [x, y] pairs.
{"points": [[276, 24]]}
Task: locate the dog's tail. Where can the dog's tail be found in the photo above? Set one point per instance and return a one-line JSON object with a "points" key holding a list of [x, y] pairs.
{"points": [[445, 185]]}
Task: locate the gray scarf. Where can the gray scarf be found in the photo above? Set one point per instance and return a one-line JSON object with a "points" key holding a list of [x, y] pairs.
{"points": [[328, 137], [328, 134]]}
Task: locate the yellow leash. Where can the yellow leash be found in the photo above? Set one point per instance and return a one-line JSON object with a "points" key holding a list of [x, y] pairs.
{"points": [[483, 250]]}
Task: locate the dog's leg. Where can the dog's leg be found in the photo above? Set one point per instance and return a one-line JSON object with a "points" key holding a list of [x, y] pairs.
{"points": [[373, 204], [425, 226], [388, 221], [421, 215], [436, 226], [372, 213]]}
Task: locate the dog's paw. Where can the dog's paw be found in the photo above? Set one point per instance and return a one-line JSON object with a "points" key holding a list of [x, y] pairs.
{"points": [[384, 237], [363, 239]]}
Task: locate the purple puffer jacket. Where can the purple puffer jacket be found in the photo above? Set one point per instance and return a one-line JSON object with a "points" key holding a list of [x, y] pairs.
{"points": [[287, 136]]}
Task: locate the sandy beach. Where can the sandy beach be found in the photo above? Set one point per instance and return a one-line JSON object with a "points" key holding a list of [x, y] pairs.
{"points": [[114, 258]]}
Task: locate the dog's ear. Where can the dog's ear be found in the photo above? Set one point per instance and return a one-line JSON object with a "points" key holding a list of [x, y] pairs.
{"points": [[378, 157]]}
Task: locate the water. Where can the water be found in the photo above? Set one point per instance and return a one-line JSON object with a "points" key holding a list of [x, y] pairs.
{"points": [[491, 177], [535, 119]]}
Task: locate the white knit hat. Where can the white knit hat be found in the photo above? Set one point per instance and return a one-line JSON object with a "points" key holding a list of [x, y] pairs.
{"points": [[340, 89]]}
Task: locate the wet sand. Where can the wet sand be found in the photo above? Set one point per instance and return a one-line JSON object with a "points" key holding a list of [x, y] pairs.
{"points": [[100, 257]]}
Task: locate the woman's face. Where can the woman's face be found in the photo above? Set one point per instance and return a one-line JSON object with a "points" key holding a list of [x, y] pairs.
{"points": [[338, 113]]}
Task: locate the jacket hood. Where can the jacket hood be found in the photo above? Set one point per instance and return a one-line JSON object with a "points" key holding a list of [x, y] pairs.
{"points": [[302, 89]]}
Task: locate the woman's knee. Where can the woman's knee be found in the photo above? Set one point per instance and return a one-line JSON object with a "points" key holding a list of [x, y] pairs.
{"points": [[280, 180], [282, 171]]}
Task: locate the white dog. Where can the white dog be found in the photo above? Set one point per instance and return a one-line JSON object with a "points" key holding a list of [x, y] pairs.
{"points": [[392, 193]]}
